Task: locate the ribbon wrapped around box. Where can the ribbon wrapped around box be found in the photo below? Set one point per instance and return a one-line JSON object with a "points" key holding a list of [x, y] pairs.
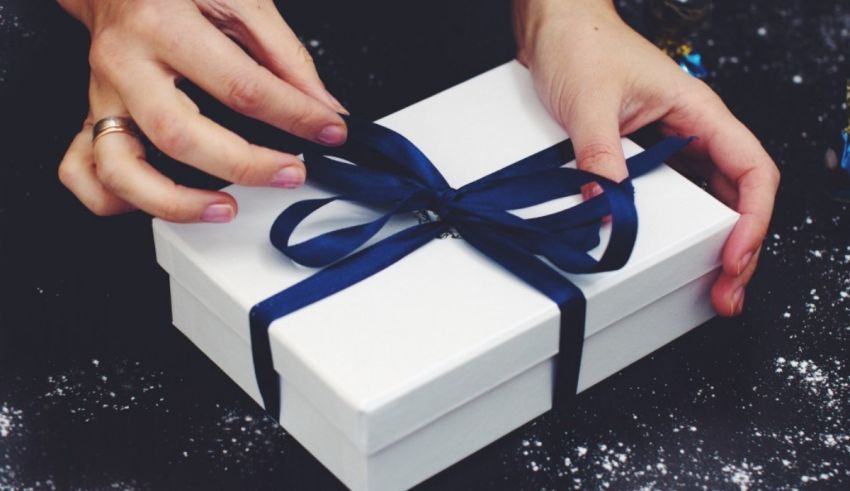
{"points": [[392, 355], [391, 171]]}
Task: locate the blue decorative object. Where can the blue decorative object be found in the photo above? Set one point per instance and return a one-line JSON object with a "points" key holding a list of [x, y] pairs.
{"points": [[845, 155], [389, 171], [691, 63]]}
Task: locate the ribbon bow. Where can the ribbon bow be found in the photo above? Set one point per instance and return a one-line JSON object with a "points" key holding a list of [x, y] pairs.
{"points": [[382, 168]]}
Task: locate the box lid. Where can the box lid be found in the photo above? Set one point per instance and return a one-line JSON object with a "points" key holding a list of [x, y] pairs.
{"points": [[444, 325]]}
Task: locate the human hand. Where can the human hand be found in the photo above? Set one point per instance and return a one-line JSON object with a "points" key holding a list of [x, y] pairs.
{"points": [[601, 80], [140, 50]]}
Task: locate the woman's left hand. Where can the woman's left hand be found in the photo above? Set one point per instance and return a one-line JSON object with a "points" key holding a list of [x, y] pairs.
{"points": [[600, 80]]}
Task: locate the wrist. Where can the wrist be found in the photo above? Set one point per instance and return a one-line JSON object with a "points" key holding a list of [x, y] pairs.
{"points": [[532, 17]]}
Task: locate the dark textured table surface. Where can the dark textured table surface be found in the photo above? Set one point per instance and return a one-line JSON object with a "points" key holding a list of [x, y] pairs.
{"points": [[99, 391]]}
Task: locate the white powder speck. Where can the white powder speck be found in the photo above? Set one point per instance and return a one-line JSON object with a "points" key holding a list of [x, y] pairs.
{"points": [[743, 475], [9, 420], [93, 392]]}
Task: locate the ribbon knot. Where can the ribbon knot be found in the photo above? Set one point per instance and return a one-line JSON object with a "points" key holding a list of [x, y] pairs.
{"points": [[442, 203], [381, 168]]}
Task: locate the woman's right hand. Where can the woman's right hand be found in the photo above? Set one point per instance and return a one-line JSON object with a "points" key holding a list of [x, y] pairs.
{"points": [[139, 50]]}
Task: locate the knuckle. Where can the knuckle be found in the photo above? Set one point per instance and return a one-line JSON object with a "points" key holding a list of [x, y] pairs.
{"points": [[300, 119], [148, 16], [103, 53], [101, 207], [110, 176], [174, 208], [244, 172], [705, 97], [170, 210], [228, 16], [596, 155], [244, 93], [168, 134], [774, 176], [696, 96], [67, 173]]}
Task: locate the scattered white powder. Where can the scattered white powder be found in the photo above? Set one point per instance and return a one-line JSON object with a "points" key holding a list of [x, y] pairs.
{"points": [[9, 420], [87, 392], [791, 429], [237, 441], [744, 475]]}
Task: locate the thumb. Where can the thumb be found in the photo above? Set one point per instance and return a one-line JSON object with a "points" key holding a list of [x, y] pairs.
{"points": [[595, 134]]}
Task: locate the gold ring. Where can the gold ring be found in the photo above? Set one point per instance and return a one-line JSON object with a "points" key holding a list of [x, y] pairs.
{"points": [[114, 124]]}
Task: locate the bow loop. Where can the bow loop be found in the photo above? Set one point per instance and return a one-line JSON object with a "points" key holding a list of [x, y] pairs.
{"points": [[380, 167]]}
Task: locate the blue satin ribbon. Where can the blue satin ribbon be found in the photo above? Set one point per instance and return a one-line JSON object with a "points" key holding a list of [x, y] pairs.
{"points": [[386, 170]]}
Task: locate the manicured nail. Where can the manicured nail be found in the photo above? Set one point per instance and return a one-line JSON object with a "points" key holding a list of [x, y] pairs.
{"points": [[332, 135], [595, 190], [744, 262], [337, 105], [220, 213], [591, 190], [736, 305], [289, 177]]}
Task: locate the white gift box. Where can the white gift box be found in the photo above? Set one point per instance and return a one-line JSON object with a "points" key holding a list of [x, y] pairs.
{"points": [[400, 376]]}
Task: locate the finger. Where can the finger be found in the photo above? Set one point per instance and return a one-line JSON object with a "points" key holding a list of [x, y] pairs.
{"points": [[211, 60], [723, 190], [122, 169], [739, 156], [77, 173], [175, 126], [594, 129], [729, 291], [271, 41]]}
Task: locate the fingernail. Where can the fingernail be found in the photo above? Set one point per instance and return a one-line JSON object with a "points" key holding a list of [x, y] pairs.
{"points": [[744, 262], [332, 135], [736, 305], [591, 190], [595, 190], [337, 105], [219, 213], [289, 177]]}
